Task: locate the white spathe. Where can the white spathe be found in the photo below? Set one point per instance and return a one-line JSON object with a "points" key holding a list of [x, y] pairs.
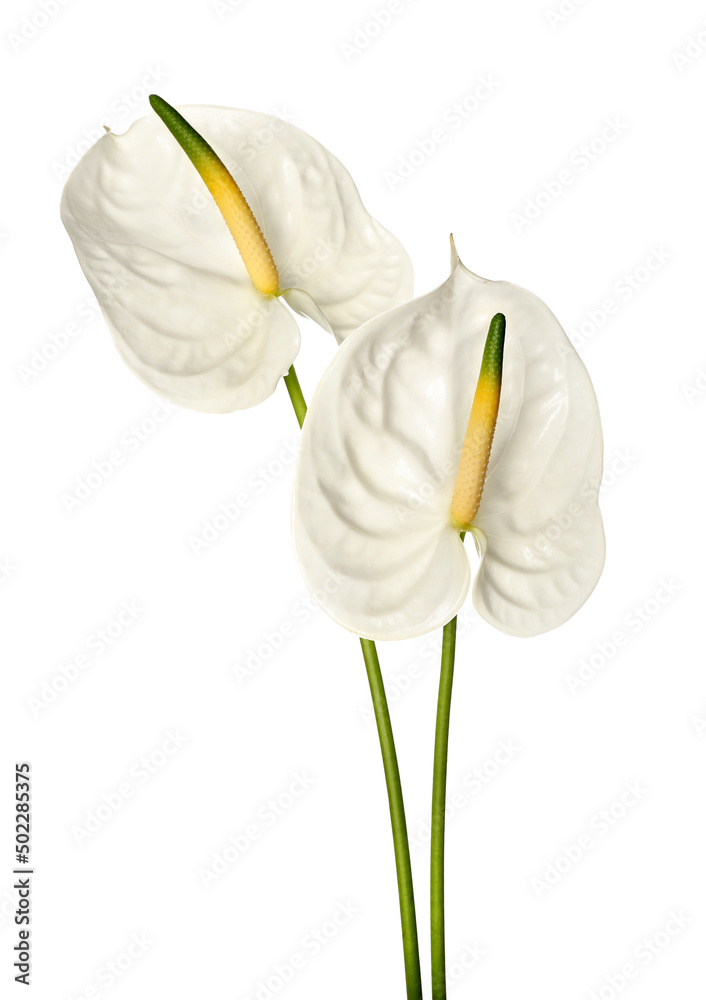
{"points": [[172, 286], [379, 456]]}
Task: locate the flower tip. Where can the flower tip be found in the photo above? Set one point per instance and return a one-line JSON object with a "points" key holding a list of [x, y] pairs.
{"points": [[454, 252], [187, 137], [492, 364], [176, 123], [158, 103]]}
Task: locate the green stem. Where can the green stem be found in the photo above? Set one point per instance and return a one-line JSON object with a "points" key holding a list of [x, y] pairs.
{"points": [[296, 395], [403, 862], [438, 810]]}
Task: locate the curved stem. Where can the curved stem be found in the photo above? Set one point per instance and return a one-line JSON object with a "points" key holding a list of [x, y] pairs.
{"points": [[296, 395], [438, 809], [403, 862]]}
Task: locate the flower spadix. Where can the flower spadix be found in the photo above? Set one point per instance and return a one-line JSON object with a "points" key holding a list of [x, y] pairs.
{"points": [[193, 234], [478, 440], [467, 409]]}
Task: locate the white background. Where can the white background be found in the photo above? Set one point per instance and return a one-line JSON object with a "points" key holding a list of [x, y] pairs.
{"points": [[639, 715]]}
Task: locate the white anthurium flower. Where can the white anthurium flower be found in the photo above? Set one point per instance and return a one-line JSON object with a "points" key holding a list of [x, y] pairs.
{"points": [[190, 282], [392, 469]]}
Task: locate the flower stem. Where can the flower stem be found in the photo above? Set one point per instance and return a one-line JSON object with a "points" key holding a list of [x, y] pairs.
{"points": [[296, 395], [403, 863], [438, 809]]}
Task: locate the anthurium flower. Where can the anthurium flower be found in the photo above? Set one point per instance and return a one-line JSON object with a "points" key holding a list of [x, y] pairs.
{"points": [[190, 266], [392, 471]]}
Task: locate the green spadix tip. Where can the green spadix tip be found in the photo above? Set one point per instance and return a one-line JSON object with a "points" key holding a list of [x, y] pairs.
{"points": [[492, 364]]}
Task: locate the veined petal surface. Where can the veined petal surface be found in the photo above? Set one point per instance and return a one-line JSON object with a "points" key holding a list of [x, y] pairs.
{"points": [[380, 453], [167, 273]]}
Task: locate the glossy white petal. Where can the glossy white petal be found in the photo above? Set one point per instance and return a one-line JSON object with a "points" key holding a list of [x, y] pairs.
{"points": [[170, 280], [379, 458]]}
